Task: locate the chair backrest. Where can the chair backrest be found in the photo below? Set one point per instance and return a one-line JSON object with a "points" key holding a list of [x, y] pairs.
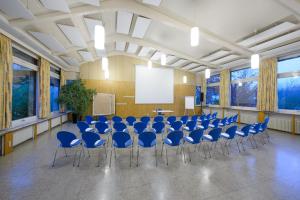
{"points": [[65, 138], [215, 134], [235, 118], [194, 118], [130, 120], [101, 127], [171, 119], [116, 119], [145, 119], [175, 137], [147, 139], [191, 124], [139, 127], [216, 123], [229, 120], [264, 126], [256, 127], [88, 119], [158, 118], [214, 115], [82, 126], [102, 118], [196, 135], [176, 125], [205, 124], [208, 116], [119, 126], [89, 139], [202, 117], [267, 119], [224, 120], [158, 127], [231, 131], [246, 129], [184, 119], [120, 138]]}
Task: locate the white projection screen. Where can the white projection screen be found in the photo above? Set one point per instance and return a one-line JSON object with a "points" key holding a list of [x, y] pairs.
{"points": [[154, 86]]}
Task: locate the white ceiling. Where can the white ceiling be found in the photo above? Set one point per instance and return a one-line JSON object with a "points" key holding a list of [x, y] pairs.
{"points": [[230, 31]]}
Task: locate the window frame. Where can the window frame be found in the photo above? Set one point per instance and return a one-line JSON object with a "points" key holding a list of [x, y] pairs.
{"points": [[57, 76], [290, 74], [213, 85], [35, 68]]}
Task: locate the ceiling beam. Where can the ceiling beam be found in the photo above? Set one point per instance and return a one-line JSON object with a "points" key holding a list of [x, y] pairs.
{"points": [[291, 5], [156, 14]]}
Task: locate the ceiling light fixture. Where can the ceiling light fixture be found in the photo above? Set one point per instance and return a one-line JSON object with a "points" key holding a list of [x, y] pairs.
{"points": [[207, 73], [149, 64], [99, 37], [255, 61], [163, 59], [104, 64], [194, 36], [106, 74], [184, 79]]}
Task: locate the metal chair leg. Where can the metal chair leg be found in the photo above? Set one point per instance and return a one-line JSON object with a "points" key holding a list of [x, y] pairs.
{"points": [[162, 148], [137, 156], [190, 153], [237, 143], [110, 157], [130, 157], [79, 158], [182, 150], [105, 151], [65, 152], [74, 158], [54, 157], [155, 156], [99, 158], [167, 156]]}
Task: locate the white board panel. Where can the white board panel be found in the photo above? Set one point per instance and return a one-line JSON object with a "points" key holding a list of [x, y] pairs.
{"points": [[154, 86], [73, 34], [14, 8], [59, 5], [49, 41], [189, 102]]}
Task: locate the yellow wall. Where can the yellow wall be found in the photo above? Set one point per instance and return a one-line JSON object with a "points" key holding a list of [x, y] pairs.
{"points": [[122, 83]]}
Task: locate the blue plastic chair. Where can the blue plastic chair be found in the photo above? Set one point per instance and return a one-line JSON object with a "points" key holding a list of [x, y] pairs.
{"points": [[223, 122], [194, 118], [184, 119], [121, 140], [130, 120], [243, 133], [208, 116], [213, 138], [92, 141], [190, 125], [145, 119], [214, 115], [202, 118], [146, 140], [139, 127], [228, 136], [194, 138], [215, 123], [229, 121], [120, 126], [171, 119], [89, 120], [159, 128], [103, 129], [67, 140], [103, 119], [176, 126], [263, 129], [117, 119], [173, 139], [158, 118], [83, 127], [254, 131], [204, 125], [235, 118]]}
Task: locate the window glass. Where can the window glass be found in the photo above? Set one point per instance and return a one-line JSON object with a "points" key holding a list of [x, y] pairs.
{"points": [[214, 79], [289, 65], [244, 94], [54, 93], [289, 93], [213, 95], [244, 73], [23, 92]]}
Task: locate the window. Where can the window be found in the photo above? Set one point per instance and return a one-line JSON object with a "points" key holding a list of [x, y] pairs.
{"points": [[244, 87], [54, 88], [213, 90], [288, 84], [23, 92]]}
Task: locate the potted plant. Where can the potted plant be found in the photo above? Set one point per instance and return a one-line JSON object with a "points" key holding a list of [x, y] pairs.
{"points": [[77, 98]]}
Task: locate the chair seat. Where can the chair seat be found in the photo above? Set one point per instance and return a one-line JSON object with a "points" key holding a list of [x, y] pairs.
{"points": [[75, 142], [221, 124], [202, 127], [261, 129], [225, 135], [240, 133], [89, 129], [189, 139], [141, 143], [252, 131], [100, 142], [207, 137], [127, 144], [168, 141], [186, 128], [94, 122], [211, 126]]}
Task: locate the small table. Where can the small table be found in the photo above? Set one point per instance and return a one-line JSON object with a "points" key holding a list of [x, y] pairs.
{"points": [[163, 111]]}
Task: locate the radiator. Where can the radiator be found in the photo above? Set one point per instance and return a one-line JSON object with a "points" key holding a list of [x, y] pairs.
{"points": [[42, 127], [22, 135], [281, 122], [229, 113], [298, 125], [55, 122], [248, 117], [64, 118]]}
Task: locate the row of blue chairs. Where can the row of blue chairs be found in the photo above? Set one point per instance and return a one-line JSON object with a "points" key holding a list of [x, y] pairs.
{"points": [[175, 138]]}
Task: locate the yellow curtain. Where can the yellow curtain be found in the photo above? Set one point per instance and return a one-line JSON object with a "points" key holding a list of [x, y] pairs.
{"points": [[62, 83], [224, 88], [44, 88], [267, 85], [6, 79]]}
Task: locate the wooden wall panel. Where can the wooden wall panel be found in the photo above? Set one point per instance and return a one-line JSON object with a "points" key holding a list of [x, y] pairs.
{"points": [[122, 84]]}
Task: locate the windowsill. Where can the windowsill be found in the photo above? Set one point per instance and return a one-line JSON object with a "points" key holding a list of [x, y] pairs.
{"points": [[243, 108], [288, 112]]}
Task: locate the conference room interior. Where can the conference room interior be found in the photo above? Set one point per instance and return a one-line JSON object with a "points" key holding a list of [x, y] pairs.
{"points": [[149, 99]]}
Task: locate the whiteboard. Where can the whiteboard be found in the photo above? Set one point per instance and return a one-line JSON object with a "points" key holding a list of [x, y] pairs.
{"points": [[189, 102], [103, 104], [154, 86]]}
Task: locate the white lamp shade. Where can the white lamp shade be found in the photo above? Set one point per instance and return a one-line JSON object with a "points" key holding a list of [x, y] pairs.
{"points": [[104, 64], [163, 59], [255, 61], [207, 73], [149, 64], [240, 84], [99, 37], [184, 79], [194, 36], [106, 74]]}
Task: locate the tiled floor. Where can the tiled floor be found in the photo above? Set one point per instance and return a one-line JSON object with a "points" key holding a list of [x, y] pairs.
{"points": [[270, 172]]}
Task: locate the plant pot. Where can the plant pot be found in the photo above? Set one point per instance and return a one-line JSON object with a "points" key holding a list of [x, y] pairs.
{"points": [[74, 118]]}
